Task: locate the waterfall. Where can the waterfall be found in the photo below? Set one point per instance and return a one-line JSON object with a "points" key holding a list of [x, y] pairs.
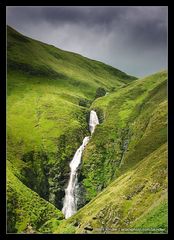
{"points": [[70, 200], [93, 121]]}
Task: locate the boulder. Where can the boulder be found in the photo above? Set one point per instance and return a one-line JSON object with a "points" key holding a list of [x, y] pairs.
{"points": [[88, 227]]}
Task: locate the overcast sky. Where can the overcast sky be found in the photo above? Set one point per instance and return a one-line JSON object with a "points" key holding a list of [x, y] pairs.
{"points": [[132, 39]]}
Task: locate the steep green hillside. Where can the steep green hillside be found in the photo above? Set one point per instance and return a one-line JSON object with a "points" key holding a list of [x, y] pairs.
{"points": [[134, 125], [48, 91], [69, 70], [25, 208], [136, 202], [130, 147]]}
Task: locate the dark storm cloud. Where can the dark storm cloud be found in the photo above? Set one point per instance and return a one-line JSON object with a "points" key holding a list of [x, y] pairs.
{"points": [[133, 39], [87, 15]]}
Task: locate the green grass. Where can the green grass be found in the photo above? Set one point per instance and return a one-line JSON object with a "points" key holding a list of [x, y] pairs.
{"points": [[25, 207], [127, 157], [155, 219], [134, 125], [137, 199], [44, 88], [30, 56]]}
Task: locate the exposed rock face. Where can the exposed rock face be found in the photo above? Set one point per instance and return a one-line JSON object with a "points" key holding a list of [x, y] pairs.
{"points": [[49, 179]]}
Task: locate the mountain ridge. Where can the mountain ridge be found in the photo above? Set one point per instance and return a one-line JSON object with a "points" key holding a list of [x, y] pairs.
{"points": [[9, 28]]}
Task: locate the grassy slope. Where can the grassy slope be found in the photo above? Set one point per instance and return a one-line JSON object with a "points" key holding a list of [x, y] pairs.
{"points": [[26, 207], [45, 85], [134, 125], [137, 199], [70, 69], [129, 146]]}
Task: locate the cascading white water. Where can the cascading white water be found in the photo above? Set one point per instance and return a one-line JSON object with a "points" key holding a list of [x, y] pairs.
{"points": [[70, 201], [93, 121]]}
